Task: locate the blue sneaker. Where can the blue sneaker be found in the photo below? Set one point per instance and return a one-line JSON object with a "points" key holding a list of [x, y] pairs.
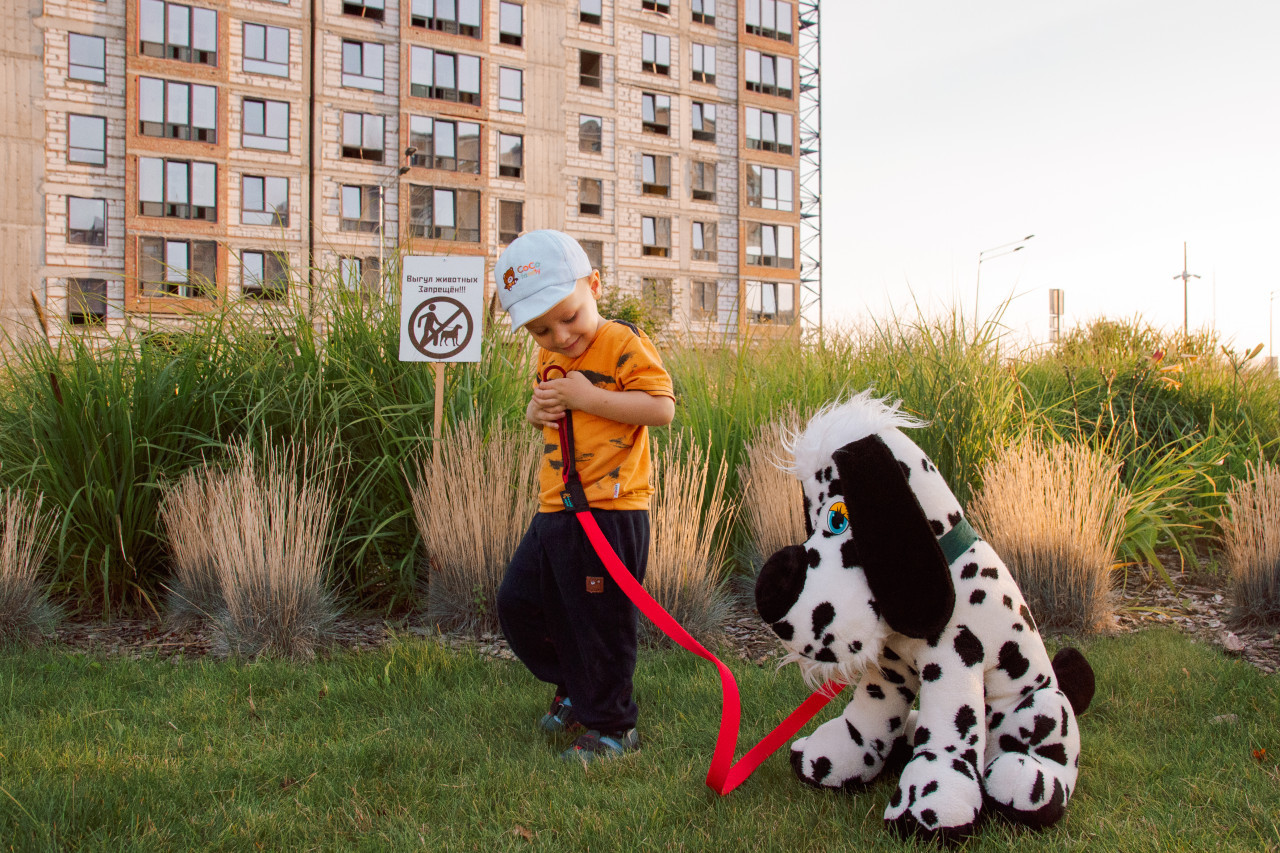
{"points": [[595, 746], [560, 717]]}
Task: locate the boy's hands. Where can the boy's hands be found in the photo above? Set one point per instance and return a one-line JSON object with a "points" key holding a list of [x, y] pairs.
{"points": [[553, 397]]}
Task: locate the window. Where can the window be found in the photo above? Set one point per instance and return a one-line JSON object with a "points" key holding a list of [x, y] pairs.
{"points": [[590, 134], [510, 155], [87, 140], [704, 11], [769, 188], [177, 267], [589, 69], [363, 137], [174, 31], [704, 63], [444, 76], [704, 299], [663, 6], [590, 196], [444, 214], [511, 23], [702, 184], [87, 58], [175, 110], [769, 18], [771, 245], [704, 241], [360, 274], [703, 120], [510, 220], [362, 65], [771, 302], [266, 50], [86, 301], [461, 17], [655, 53], [595, 252], [266, 125], [264, 200], [372, 9], [177, 189], [361, 208], [656, 292], [263, 275], [768, 131], [453, 146], [655, 235], [511, 90], [768, 74], [86, 221], [655, 174], [655, 113], [589, 11]]}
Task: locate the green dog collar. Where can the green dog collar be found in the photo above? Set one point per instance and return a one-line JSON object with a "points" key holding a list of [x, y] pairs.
{"points": [[957, 540]]}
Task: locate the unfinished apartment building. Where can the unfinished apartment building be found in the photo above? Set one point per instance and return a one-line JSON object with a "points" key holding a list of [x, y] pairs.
{"points": [[210, 150]]}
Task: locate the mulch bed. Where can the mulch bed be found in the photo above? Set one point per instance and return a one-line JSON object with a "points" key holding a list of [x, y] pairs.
{"points": [[1197, 605]]}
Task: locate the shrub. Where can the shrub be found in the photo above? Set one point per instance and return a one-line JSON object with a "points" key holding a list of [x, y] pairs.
{"points": [[472, 503], [25, 612], [269, 527], [772, 499], [685, 553], [1251, 544], [1055, 514], [194, 591]]}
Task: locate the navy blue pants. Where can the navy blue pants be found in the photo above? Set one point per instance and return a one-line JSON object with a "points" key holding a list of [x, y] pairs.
{"points": [[566, 619]]}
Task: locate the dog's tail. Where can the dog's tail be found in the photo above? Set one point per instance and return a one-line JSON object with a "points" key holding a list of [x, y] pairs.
{"points": [[1075, 678]]}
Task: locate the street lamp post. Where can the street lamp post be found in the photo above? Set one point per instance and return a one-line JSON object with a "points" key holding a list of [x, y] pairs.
{"points": [[990, 254], [382, 215], [1271, 314], [1185, 276]]}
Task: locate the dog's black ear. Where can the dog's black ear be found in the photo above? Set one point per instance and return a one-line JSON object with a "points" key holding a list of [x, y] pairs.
{"points": [[893, 542]]}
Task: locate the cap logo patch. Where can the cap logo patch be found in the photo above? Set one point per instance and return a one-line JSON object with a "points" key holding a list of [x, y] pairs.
{"points": [[508, 279]]}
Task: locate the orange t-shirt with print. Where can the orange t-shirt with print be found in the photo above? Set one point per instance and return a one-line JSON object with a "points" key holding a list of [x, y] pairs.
{"points": [[612, 458]]}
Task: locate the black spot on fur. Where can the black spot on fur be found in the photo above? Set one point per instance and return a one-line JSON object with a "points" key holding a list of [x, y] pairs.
{"points": [[822, 616], [1012, 660], [1054, 752], [965, 720], [1066, 722], [925, 465], [1042, 728], [969, 572], [826, 656], [890, 654], [968, 647], [1026, 703], [931, 672], [922, 735], [1008, 602], [875, 691], [814, 557], [821, 768], [826, 473], [977, 597], [1025, 613], [907, 694], [1009, 743], [854, 734], [855, 646], [894, 723], [996, 720], [928, 817], [961, 767], [783, 629], [808, 649], [937, 527], [835, 487], [869, 760], [893, 677], [808, 517], [828, 639], [849, 554], [1017, 626], [954, 518], [1037, 789], [896, 799], [932, 787], [990, 572]]}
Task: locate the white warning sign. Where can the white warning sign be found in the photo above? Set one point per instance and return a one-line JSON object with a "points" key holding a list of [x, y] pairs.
{"points": [[441, 302]]}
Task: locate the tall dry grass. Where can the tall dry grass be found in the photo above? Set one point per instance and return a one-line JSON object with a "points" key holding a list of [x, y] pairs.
{"points": [[472, 505], [194, 591], [260, 565], [25, 611], [772, 509], [1251, 543], [1055, 514], [686, 552]]}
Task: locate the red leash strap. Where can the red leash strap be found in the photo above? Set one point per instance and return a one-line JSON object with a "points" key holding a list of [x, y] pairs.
{"points": [[723, 775]]}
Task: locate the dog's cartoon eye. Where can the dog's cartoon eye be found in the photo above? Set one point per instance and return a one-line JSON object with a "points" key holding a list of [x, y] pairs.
{"points": [[837, 518]]}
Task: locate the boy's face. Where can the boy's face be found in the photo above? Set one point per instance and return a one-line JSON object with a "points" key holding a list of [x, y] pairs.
{"points": [[571, 325]]}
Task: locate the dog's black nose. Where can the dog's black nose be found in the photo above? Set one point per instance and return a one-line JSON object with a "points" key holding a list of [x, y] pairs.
{"points": [[780, 582]]}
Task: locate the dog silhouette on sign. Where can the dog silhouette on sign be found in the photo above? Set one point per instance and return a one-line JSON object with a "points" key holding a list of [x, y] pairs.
{"points": [[450, 336]]}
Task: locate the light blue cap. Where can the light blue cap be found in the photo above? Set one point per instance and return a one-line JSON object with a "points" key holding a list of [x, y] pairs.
{"points": [[537, 270]]}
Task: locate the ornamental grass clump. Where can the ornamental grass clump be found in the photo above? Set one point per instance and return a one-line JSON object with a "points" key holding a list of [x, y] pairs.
{"points": [[772, 499], [1251, 544], [25, 611], [1055, 514], [473, 501], [269, 527], [194, 594], [687, 550]]}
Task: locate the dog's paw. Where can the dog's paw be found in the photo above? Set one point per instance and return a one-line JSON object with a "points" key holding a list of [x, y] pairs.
{"points": [[937, 797], [838, 755]]}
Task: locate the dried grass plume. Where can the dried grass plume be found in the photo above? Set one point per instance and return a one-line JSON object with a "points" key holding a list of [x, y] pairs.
{"points": [[772, 498], [25, 611], [1251, 544]]}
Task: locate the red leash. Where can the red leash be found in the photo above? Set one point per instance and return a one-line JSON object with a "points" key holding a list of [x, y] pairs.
{"points": [[723, 775]]}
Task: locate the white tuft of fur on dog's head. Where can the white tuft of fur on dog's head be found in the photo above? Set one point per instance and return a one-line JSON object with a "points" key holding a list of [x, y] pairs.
{"points": [[840, 423]]}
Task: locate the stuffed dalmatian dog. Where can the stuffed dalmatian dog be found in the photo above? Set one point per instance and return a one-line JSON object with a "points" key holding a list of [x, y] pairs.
{"points": [[896, 595]]}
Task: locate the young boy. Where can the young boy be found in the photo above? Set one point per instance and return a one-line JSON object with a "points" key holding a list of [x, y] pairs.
{"points": [[564, 617]]}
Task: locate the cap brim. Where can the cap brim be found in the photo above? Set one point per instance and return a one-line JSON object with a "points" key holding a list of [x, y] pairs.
{"points": [[538, 303]]}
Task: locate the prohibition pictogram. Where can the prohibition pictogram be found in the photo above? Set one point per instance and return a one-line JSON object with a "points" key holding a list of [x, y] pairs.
{"points": [[440, 327]]}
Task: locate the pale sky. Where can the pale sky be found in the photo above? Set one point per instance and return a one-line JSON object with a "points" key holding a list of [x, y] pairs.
{"points": [[1113, 130]]}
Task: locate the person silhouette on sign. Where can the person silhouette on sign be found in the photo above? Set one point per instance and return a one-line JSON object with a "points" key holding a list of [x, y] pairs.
{"points": [[430, 325]]}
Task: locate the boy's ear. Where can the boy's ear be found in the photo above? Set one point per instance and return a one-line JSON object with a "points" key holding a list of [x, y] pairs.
{"points": [[594, 284]]}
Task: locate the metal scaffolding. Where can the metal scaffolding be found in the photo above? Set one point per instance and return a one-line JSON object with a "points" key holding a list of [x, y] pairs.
{"points": [[810, 173]]}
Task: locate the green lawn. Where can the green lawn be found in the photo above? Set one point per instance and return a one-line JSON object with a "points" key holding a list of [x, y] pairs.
{"points": [[417, 747]]}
